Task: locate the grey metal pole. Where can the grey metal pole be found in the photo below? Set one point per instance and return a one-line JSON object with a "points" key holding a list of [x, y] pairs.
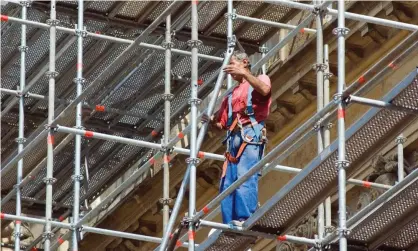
{"points": [[194, 101], [400, 140], [79, 80], [263, 50], [380, 104], [51, 74], [21, 136], [319, 68], [327, 136], [167, 99], [342, 163]]}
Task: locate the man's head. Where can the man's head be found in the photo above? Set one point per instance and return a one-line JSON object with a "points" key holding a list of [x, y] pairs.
{"points": [[240, 59]]}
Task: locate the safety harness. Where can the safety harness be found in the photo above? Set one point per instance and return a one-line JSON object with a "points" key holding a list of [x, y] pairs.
{"points": [[231, 125]]}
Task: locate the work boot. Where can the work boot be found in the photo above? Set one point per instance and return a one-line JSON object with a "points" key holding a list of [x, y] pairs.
{"points": [[237, 223]]}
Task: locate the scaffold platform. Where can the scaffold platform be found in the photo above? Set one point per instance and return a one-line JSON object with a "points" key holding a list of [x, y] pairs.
{"points": [[318, 180]]}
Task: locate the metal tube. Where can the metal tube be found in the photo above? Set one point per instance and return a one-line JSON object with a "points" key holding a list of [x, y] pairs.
{"points": [[288, 169], [399, 141], [263, 51], [341, 162], [77, 159], [167, 98], [320, 102], [141, 143], [21, 135], [192, 161], [49, 180], [105, 73], [272, 24], [35, 220], [327, 136], [348, 15], [112, 39], [380, 104], [235, 229]]}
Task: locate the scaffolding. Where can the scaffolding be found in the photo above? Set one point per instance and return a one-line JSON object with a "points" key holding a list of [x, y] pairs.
{"points": [[335, 161]]}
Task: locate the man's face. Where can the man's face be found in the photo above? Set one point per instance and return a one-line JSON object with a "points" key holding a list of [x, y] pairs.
{"points": [[240, 64]]}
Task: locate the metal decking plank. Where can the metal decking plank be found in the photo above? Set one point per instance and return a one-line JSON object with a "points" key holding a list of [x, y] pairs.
{"points": [[318, 180]]}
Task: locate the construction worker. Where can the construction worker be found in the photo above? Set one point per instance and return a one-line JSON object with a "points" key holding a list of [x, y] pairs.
{"points": [[242, 115]]}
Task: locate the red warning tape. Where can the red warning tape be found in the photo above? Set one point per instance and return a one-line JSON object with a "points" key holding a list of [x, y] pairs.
{"points": [[60, 240], [171, 236], [195, 1], [4, 18], [34, 249], [281, 238], [367, 184], [191, 235], [200, 82], [50, 139], [18, 222], [341, 113], [302, 30], [154, 133], [79, 66], [362, 80], [88, 134], [100, 108], [1, 215], [166, 159], [179, 244], [392, 65], [180, 135], [201, 155], [152, 161], [61, 218], [206, 210]]}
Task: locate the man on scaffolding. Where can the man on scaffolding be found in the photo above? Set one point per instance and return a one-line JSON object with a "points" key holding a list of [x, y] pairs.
{"points": [[242, 115]]}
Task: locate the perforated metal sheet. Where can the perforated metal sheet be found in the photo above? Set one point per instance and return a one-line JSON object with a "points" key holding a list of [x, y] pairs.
{"points": [[228, 241], [317, 181]]}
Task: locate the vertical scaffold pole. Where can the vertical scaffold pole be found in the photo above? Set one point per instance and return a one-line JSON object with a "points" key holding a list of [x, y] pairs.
{"points": [[230, 39], [51, 74], [400, 140], [319, 68], [194, 101], [263, 50], [341, 31], [21, 136], [165, 201], [327, 139], [79, 80]]}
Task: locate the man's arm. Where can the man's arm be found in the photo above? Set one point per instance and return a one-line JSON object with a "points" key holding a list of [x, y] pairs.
{"points": [[258, 85]]}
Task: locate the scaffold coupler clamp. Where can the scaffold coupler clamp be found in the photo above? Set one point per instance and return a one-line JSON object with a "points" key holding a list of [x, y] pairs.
{"points": [[319, 67], [318, 125], [47, 235], [338, 97], [17, 234], [167, 96], [194, 161], [165, 201], [49, 181], [232, 15], [187, 221], [78, 32], [53, 127], [344, 232], [342, 164], [79, 80], [400, 140], [263, 49], [328, 75], [194, 43], [167, 45], [51, 74], [52, 22], [20, 140], [341, 31], [23, 48], [194, 101], [26, 3], [320, 9], [318, 245], [77, 177]]}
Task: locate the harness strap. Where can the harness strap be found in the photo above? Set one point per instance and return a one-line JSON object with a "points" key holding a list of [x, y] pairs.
{"points": [[250, 111], [232, 159]]}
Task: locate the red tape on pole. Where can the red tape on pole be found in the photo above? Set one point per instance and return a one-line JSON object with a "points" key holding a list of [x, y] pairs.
{"points": [[180, 135], [201, 155], [2, 216], [302, 30], [50, 139], [166, 159], [18, 222], [367, 184], [206, 210], [79, 66], [179, 244], [4, 18], [88, 134], [341, 113], [191, 235], [60, 240], [281, 238], [154, 133], [152, 161], [100, 108], [362, 80], [61, 218], [34, 249]]}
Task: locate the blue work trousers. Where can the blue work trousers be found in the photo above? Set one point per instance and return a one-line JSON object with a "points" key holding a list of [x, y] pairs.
{"points": [[241, 203]]}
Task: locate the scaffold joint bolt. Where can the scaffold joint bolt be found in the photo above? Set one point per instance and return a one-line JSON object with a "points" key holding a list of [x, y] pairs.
{"points": [[194, 43], [49, 181], [26, 3], [23, 48], [341, 31], [318, 125], [51, 127], [167, 45], [16, 186], [194, 101], [319, 9], [232, 15], [329, 125], [79, 80], [77, 177], [328, 75], [400, 140], [263, 49], [338, 97], [232, 41], [342, 164], [319, 67], [187, 221], [167, 96], [52, 22], [51, 74], [48, 235], [344, 232], [165, 201], [17, 234], [20, 140], [79, 127], [82, 33], [194, 161]]}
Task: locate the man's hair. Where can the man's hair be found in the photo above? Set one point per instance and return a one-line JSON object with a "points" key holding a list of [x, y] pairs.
{"points": [[240, 56]]}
